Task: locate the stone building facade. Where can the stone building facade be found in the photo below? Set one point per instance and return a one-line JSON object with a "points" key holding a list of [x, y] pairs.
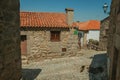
{"points": [[40, 45], [37, 41], [10, 61], [114, 41], [104, 33]]}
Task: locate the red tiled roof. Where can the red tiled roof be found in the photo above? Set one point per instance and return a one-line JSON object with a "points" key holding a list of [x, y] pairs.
{"points": [[89, 25], [42, 19]]}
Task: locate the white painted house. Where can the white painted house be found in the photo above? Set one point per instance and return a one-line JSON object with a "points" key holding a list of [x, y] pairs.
{"points": [[93, 34], [90, 30]]}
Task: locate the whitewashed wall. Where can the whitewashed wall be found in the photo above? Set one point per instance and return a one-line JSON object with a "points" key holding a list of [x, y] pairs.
{"points": [[92, 34]]}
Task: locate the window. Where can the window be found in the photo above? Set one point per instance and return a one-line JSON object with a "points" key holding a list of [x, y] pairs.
{"points": [[55, 36], [23, 37], [63, 49]]}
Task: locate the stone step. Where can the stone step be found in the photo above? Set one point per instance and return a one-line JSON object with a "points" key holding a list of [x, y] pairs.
{"points": [[24, 59]]}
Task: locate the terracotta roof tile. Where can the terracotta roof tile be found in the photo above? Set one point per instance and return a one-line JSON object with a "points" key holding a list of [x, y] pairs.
{"points": [[88, 25], [43, 19]]}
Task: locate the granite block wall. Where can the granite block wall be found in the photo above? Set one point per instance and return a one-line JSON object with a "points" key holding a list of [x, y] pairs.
{"points": [[10, 61]]}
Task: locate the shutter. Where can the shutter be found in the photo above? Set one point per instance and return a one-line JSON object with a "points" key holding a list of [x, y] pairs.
{"points": [[55, 35]]}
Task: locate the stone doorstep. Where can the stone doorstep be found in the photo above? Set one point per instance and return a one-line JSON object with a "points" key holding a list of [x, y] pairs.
{"points": [[25, 62], [42, 57], [24, 59]]}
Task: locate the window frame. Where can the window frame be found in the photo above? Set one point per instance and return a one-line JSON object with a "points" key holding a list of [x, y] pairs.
{"points": [[55, 36]]}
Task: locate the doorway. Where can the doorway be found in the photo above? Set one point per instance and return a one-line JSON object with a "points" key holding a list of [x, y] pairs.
{"points": [[23, 45]]}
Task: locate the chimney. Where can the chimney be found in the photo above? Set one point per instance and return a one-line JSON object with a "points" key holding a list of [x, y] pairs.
{"points": [[69, 13]]}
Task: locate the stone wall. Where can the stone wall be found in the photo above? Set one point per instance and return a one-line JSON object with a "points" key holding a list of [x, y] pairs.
{"points": [[70, 15], [10, 61], [114, 41], [39, 43], [104, 33]]}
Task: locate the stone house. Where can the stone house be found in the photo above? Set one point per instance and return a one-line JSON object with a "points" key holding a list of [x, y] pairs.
{"points": [[47, 33], [90, 30], [104, 27]]}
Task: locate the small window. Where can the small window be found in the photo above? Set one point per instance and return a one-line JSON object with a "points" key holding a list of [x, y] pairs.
{"points": [[55, 36], [63, 49], [23, 37]]}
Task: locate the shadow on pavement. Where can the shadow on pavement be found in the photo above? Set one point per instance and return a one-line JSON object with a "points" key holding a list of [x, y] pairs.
{"points": [[98, 67], [30, 74]]}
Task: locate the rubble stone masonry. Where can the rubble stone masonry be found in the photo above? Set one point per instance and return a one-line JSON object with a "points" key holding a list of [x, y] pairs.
{"points": [[114, 41], [10, 61], [104, 33], [39, 43]]}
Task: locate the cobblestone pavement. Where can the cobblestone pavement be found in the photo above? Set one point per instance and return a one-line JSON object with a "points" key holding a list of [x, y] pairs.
{"points": [[65, 68]]}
